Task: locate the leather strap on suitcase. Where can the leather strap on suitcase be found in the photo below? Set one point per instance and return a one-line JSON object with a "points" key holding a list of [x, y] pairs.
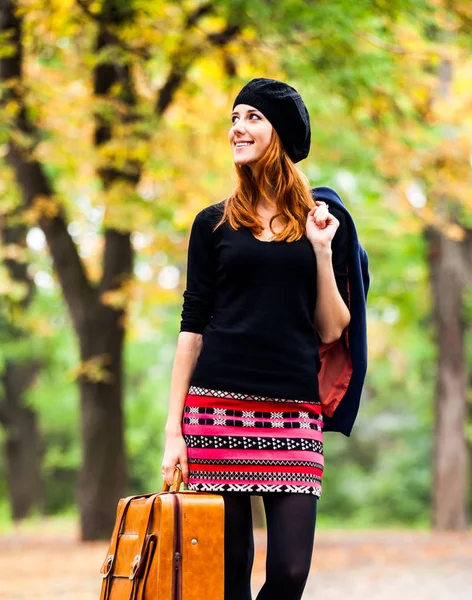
{"points": [[143, 548]]}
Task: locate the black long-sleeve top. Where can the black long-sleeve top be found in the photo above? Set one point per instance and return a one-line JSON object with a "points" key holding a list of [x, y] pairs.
{"points": [[254, 303]]}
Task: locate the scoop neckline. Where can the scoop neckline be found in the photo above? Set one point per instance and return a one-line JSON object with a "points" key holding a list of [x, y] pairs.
{"points": [[263, 241], [259, 240]]}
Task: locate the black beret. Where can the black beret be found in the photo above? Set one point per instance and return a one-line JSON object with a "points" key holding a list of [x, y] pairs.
{"points": [[283, 106]]}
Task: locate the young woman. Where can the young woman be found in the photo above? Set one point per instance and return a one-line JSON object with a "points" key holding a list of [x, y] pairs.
{"points": [[266, 283]]}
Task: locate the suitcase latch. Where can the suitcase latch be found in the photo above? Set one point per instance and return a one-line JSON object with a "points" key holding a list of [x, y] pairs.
{"points": [[108, 565], [135, 566]]}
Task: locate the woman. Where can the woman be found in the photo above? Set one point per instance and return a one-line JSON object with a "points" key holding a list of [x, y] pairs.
{"points": [[266, 283]]}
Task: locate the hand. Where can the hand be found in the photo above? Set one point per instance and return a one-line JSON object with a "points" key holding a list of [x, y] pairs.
{"points": [[321, 226], [175, 453]]}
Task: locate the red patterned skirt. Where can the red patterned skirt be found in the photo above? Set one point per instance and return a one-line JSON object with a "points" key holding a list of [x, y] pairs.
{"points": [[246, 443]]}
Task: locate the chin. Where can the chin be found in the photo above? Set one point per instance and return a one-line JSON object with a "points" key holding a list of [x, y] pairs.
{"points": [[248, 161]]}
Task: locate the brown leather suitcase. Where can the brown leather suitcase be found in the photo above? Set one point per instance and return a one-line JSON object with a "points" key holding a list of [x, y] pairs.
{"points": [[166, 546]]}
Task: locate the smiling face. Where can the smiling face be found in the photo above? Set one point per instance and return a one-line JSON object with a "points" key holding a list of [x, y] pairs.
{"points": [[250, 134]]}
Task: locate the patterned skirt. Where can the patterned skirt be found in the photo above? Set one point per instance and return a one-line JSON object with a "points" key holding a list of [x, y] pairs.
{"points": [[245, 443]]}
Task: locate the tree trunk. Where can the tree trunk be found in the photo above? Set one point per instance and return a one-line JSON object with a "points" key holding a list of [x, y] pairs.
{"points": [[102, 479], [449, 270], [22, 446], [23, 442]]}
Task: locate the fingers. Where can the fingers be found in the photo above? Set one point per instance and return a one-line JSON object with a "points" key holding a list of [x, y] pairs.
{"points": [[184, 466], [320, 214], [175, 454], [319, 204], [168, 470], [168, 473]]}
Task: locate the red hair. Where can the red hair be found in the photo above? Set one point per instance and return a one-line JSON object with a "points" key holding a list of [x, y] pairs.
{"points": [[291, 188]]}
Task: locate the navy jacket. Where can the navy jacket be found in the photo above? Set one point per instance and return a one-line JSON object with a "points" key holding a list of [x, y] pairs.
{"points": [[347, 357]]}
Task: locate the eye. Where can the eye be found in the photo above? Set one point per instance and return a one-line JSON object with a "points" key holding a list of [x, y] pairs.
{"points": [[254, 115], [233, 118]]}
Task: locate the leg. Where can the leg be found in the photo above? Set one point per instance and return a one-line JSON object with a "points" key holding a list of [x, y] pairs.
{"points": [[239, 546], [291, 520]]}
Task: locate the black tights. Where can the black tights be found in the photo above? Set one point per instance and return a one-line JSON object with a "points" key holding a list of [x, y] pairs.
{"points": [[291, 522]]}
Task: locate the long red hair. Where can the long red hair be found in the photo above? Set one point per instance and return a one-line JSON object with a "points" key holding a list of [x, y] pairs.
{"points": [[292, 191]]}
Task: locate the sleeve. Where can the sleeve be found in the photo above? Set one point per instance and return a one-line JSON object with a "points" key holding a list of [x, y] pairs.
{"points": [[340, 254], [199, 293]]}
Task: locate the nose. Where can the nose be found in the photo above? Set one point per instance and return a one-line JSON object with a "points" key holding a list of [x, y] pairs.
{"points": [[238, 126]]}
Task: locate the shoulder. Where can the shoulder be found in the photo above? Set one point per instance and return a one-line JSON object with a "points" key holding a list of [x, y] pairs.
{"points": [[212, 211], [204, 224], [210, 215]]}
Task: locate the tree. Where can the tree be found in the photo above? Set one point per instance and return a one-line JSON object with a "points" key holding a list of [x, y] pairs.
{"points": [[450, 260], [451, 271], [23, 444]]}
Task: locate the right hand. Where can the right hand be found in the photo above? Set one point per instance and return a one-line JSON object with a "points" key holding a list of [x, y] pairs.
{"points": [[175, 453]]}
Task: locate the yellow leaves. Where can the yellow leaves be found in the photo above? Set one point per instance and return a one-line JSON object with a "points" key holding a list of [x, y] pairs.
{"points": [[49, 19], [28, 6], [94, 370], [7, 48], [16, 291], [212, 24], [431, 216], [119, 298], [42, 207], [10, 109], [123, 210], [452, 230], [13, 252], [122, 153], [94, 7], [433, 145]]}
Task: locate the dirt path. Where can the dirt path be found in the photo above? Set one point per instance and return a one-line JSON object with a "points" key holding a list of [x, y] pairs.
{"points": [[391, 566], [50, 565]]}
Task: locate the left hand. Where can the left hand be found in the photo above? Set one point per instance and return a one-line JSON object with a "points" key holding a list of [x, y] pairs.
{"points": [[321, 226]]}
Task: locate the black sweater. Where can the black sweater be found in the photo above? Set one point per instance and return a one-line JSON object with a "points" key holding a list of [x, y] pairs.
{"points": [[254, 303]]}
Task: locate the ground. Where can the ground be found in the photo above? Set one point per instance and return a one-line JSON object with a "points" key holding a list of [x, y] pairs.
{"points": [[48, 563]]}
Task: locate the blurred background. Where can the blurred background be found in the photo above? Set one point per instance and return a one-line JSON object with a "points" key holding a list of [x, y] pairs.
{"points": [[113, 134]]}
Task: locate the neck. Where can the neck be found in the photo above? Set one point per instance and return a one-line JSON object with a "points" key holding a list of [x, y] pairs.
{"points": [[263, 206], [267, 201]]}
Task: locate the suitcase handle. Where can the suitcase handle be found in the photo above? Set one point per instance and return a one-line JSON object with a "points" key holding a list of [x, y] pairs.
{"points": [[177, 482]]}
